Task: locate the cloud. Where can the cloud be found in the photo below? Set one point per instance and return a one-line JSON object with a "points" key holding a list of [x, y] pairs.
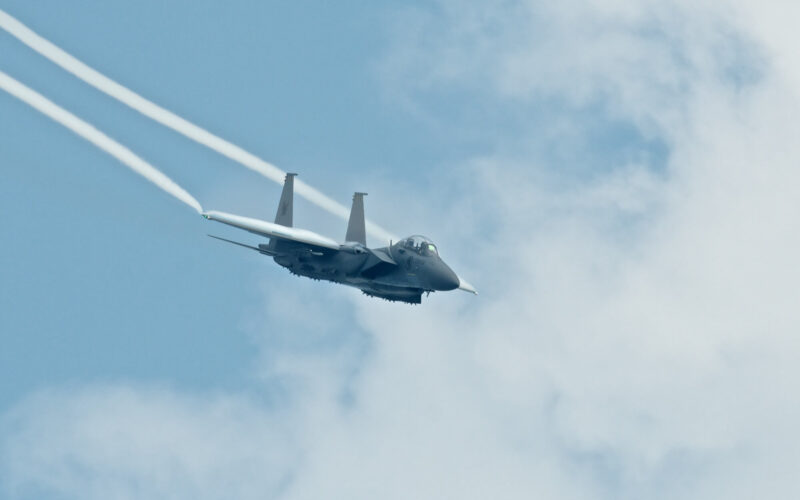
{"points": [[168, 119], [636, 332], [129, 442]]}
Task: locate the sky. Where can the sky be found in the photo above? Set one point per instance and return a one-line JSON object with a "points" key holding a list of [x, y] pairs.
{"points": [[618, 179]]}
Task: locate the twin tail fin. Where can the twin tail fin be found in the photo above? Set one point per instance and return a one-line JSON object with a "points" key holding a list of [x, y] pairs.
{"points": [[356, 228]]}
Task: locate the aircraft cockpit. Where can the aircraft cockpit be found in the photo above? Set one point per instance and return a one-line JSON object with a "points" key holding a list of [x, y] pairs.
{"points": [[419, 245]]}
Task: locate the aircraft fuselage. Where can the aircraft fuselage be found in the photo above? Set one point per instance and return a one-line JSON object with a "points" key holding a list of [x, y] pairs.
{"points": [[402, 271], [405, 279]]}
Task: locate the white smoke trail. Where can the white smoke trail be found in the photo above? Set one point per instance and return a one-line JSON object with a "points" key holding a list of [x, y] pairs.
{"points": [[173, 121], [99, 139]]}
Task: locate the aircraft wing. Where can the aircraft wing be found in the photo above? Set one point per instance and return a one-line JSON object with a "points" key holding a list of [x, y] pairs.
{"points": [[271, 230]]}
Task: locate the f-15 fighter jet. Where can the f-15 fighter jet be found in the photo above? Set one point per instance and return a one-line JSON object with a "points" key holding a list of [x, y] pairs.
{"points": [[400, 272]]}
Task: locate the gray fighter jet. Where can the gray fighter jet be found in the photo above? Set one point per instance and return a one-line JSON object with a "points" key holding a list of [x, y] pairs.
{"points": [[401, 272]]}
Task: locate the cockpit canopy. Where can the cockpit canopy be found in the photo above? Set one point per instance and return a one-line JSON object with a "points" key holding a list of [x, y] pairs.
{"points": [[418, 244]]}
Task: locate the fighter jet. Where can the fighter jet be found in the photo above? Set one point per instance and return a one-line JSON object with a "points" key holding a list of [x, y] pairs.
{"points": [[400, 272]]}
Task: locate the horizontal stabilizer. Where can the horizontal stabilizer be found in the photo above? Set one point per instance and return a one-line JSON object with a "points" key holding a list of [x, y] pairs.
{"points": [[257, 249]]}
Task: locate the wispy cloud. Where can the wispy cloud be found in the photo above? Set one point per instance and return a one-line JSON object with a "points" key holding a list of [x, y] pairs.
{"points": [[144, 443], [636, 332], [99, 139], [173, 121]]}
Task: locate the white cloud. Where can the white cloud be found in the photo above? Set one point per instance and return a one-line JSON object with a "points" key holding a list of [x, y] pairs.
{"points": [[111, 442], [636, 335]]}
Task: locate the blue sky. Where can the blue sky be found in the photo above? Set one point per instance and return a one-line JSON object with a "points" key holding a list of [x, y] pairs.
{"points": [[297, 84], [300, 91], [617, 180]]}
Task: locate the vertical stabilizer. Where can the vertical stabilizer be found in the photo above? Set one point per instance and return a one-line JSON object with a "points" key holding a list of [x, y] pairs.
{"points": [[285, 207], [355, 227]]}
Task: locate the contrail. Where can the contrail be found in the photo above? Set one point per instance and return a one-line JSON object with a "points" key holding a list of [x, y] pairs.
{"points": [[173, 121], [99, 139]]}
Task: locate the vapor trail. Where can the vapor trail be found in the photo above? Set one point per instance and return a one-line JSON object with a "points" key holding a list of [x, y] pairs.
{"points": [[173, 121], [99, 139]]}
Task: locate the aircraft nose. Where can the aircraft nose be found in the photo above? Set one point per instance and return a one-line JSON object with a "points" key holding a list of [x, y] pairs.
{"points": [[443, 278]]}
